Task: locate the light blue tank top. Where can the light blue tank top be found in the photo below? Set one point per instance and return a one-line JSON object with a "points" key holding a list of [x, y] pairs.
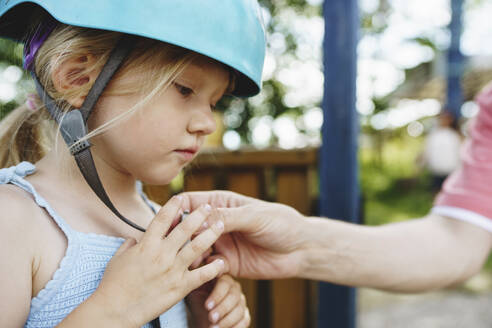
{"points": [[80, 270]]}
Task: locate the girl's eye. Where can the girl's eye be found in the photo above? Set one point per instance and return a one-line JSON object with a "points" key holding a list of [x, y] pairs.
{"points": [[183, 90]]}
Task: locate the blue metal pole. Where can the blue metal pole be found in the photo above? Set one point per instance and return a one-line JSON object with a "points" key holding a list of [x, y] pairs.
{"points": [[339, 192], [454, 98]]}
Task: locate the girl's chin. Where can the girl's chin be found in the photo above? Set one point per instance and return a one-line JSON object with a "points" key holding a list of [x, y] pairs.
{"points": [[160, 177]]}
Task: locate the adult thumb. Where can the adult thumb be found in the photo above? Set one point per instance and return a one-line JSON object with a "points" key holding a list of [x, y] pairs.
{"points": [[235, 219]]}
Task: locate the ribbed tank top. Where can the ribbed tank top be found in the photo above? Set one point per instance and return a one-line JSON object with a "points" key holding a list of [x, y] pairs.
{"points": [[81, 269]]}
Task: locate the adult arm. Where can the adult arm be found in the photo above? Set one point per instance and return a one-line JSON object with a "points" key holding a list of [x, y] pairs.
{"points": [[269, 240], [412, 256]]}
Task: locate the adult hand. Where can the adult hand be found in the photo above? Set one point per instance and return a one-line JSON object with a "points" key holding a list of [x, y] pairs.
{"points": [[145, 279], [262, 240]]}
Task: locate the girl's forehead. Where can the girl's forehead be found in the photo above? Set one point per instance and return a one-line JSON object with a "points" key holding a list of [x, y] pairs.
{"points": [[202, 65], [207, 71]]}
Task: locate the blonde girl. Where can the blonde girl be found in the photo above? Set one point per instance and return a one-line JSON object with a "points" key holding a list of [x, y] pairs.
{"points": [[129, 87]]}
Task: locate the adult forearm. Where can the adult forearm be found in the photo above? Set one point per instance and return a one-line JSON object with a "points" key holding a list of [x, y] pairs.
{"points": [[412, 256]]}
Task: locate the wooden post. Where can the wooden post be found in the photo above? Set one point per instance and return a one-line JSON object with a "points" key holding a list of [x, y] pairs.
{"points": [[202, 180], [159, 194], [247, 182], [292, 296]]}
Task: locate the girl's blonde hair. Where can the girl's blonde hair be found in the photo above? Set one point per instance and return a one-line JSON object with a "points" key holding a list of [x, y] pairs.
{"points": [[27, 135]]}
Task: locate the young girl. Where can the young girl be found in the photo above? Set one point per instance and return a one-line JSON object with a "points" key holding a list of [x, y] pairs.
{"points": [[130, 89]]}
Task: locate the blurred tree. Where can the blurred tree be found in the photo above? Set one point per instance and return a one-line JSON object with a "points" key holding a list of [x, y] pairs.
{"points": [[10, 54], [241, 115]]}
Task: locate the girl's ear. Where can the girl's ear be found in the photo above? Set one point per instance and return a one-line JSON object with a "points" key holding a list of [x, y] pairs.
{"points": [[74, 73]]}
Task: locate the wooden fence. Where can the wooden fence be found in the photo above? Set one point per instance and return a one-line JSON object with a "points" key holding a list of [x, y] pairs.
{"points": [[273, 175]]}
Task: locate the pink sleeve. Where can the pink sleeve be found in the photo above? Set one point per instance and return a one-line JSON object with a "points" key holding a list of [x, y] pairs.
{"points": [[467, 192]]}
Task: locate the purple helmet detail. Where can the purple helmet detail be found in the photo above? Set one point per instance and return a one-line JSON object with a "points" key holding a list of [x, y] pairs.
{"points": [[32, 46]]}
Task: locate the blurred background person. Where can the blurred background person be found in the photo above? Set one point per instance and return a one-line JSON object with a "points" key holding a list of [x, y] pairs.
{"points": [[441, 153]]}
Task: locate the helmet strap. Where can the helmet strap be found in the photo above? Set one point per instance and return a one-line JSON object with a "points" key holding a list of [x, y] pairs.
{"points": [[73, 124]]}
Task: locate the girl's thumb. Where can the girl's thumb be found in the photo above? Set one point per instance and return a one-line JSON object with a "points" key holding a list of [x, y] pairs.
{"points": [[212, 258], [129, 243]]}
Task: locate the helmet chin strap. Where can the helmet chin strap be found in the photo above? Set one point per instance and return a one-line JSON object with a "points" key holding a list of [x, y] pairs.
{"points": [[73, 124]]}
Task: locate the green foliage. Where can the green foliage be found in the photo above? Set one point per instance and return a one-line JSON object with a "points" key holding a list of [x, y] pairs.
{"points": [[394, 189], [239, 116], [7, 108], [10, 52], [276, 6], [425, 41]]}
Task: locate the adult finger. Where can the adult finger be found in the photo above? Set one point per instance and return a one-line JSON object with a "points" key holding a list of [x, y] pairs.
{"points": [[235, 219], [183, 231], [201, 243], [217, 198], [163, 220]]}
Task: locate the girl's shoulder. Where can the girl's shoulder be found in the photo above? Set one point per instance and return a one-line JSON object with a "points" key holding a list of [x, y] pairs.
{"points": [[14, 200], [21, 234], [20, 217]]}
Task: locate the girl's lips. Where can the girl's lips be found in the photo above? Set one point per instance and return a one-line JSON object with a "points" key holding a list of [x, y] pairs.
{"points": [[188, 154]]}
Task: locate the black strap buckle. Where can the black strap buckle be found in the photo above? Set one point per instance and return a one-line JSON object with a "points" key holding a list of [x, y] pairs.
{"points": [[73, 128]]}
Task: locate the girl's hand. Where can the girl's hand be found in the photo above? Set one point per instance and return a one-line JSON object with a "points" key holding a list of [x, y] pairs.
{"points": [[262, 240], [219, 304], [145, 279]]}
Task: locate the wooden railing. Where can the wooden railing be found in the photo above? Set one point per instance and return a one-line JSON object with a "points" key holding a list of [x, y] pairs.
{"points": [[273, 175]]}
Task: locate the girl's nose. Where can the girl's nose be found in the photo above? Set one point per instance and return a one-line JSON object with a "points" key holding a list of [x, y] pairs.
{"points": [[202, 121]]}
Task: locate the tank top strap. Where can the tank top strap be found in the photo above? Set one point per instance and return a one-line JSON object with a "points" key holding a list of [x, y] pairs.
{"points": [[145, 198], [15, 175]]}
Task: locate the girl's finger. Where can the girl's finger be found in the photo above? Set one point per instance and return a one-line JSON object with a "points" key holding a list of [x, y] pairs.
{"points": [[232, 318], [221, 289], [212, 258], [205, 225], [228, 304], [163, 220], [200, 259], [200, 244], [183, 231], [204, 274]]}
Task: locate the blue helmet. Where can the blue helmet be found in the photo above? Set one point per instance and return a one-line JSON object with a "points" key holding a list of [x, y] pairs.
{"points": [[229, 31]]}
